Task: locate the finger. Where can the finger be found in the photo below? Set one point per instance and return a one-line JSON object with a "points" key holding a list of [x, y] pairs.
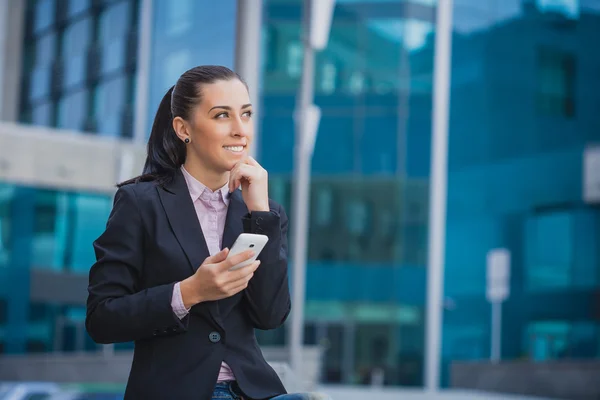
{"points": [[251, 161], [243, 171], [240, 285], [234, 177], [243, 272], [235, 260], [231, 179], [238, 279], [218, 257]]}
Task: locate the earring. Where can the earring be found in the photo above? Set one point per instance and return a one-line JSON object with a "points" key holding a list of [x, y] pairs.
{"points": [[187, 140]]}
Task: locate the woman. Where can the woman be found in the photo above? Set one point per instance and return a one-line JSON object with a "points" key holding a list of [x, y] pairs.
{"points": [[161, 278]]}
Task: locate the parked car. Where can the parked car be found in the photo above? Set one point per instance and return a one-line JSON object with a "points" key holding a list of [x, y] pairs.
{"points": [[27, 390]]}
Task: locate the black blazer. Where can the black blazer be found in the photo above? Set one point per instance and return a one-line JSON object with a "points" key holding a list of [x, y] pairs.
{"points": [[152, 240]]}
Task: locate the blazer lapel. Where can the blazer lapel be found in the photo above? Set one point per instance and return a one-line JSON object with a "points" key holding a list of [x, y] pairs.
{"points": [[182, 217]]}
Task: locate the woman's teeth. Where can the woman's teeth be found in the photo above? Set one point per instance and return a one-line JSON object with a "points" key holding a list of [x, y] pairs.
{"points": [[235, 149]]}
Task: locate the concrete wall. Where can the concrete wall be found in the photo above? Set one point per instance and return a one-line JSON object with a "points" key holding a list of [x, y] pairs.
{"points": [[37, 156], [114, 367], [572, 380]]}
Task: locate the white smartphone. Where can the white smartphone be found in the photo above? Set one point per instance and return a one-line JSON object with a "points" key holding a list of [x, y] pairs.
{"points": [[247, 241]]}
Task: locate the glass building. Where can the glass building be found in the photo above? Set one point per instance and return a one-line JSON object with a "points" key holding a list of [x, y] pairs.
{"points": [[90, 74], [523, 111]]}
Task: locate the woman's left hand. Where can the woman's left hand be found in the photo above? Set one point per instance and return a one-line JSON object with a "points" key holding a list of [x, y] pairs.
{"points": [[254, 180]]}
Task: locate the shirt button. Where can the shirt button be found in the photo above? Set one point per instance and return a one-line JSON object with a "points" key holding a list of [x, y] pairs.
{"points": [[214, 337]]}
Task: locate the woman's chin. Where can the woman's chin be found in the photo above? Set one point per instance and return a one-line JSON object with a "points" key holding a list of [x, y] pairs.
{"points": [[227, 165]]}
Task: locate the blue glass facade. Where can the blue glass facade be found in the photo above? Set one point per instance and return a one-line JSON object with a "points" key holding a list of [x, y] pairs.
{"points": [[42, 229], [523, 108], [368, 227], [79, 65]]}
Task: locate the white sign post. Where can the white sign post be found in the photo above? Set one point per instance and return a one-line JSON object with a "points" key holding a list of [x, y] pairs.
{"points": [[591, 174], [498, 289]]}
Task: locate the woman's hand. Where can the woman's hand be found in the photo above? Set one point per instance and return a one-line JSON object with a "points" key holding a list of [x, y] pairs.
{"points": [[213, 280], [254, 180]]}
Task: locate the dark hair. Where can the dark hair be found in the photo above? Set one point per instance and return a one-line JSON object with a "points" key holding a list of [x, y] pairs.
{"points": [[166, 151]]}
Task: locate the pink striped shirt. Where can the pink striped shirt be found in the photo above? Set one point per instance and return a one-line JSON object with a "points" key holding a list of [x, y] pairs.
{"points": [[211, 208]]}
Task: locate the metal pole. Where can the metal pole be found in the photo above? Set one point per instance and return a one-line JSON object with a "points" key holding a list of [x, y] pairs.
{"points": [[247, 55], [496, 333], [437, 195], [301, 192]]}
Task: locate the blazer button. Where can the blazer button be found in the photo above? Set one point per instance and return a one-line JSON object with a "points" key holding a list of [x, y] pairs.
{"points": [[214, 337]]}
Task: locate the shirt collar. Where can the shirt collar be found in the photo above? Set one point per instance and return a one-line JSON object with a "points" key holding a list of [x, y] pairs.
{"points": [[197, 188]]}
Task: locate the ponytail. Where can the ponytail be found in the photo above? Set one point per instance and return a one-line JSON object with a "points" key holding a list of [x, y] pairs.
{"points": [[166, 152]]}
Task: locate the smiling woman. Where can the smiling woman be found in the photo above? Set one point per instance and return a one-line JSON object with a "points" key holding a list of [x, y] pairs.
{"points": [[162, 277]]}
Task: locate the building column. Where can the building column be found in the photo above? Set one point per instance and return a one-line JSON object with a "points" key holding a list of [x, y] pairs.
{"points": [[12, 26], [247, 55], [142, 93]]}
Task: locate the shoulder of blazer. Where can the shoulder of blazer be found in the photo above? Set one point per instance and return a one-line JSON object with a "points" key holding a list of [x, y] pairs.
{"points": [[142, 190], [144, 194]]}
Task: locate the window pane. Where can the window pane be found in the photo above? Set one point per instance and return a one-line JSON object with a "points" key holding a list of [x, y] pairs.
{"points": [[114, 26], [76, 39], [113, 56], [6, 194], [41, 73], [43, 14], [78, 6], [73, 110], [40, 83], [49, 230], [45, 49], [89, 219], [549, 251], [109, 100], [556, 82], [114, 21], [42, 114]]}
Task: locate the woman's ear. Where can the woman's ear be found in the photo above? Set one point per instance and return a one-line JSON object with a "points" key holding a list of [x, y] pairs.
{"points": [[179, 126]]}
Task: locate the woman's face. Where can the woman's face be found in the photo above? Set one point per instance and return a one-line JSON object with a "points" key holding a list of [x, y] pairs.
{"points": [[220, 127]]}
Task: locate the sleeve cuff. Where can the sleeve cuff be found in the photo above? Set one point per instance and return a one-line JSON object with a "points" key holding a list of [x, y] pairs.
{"points": [[177, 303], [260, 222]]}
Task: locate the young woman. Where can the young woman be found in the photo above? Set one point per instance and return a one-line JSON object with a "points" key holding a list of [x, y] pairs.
{"points": [[162, 277]]}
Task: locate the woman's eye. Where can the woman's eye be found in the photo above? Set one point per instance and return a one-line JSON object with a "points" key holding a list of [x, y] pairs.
{"points": [[247, 114], [222, 115]]}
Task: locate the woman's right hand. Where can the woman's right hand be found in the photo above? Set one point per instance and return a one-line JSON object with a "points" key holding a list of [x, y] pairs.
{"points": [[214, 281]]}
